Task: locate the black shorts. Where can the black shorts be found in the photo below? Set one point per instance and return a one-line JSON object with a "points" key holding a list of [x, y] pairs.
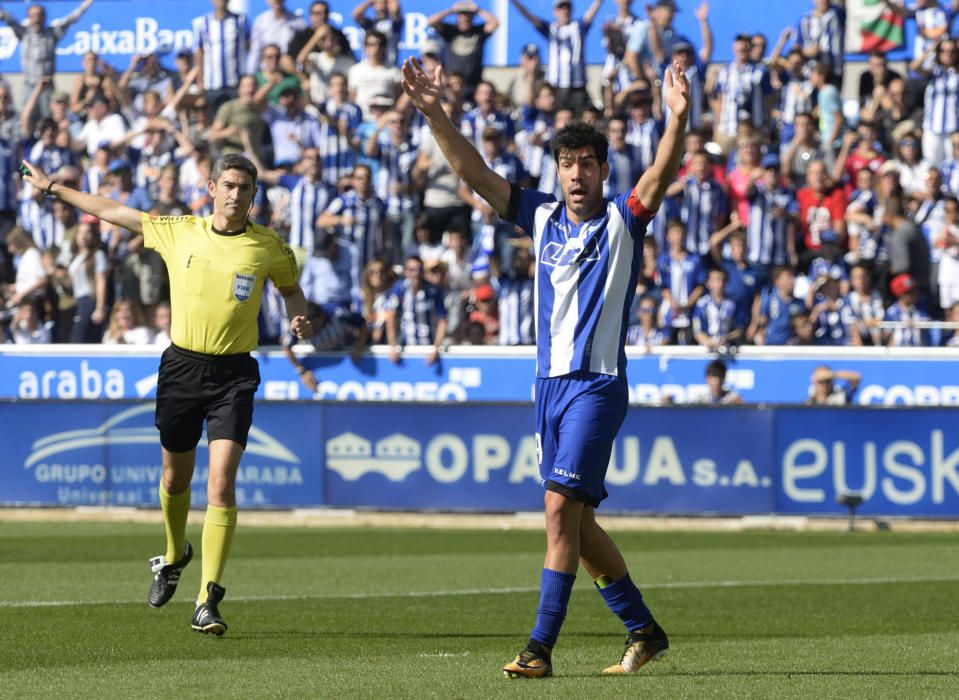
{"points": [[193, 387]]}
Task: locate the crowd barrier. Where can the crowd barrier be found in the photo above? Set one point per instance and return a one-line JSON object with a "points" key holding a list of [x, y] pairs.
{"points": [[921, 377], [118, 29], [482, 457]]}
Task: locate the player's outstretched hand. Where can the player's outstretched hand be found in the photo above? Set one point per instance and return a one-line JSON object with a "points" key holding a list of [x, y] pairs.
{"points": [[425, 91], [36, 177], [301, 327], [677, 90]]}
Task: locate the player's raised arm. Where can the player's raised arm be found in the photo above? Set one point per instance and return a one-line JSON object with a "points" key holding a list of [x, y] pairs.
{"points": [[426, 94], [101, 207], [652, 185]]}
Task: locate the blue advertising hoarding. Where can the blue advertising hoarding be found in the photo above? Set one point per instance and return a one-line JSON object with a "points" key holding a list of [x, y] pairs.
{"points": [[118, 29], [759, 375], [468, 457]]}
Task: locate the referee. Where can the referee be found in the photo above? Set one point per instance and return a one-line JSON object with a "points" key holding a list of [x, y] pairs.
{"points": [[217, 267]]}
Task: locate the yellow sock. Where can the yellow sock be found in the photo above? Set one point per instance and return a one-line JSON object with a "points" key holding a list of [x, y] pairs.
{"points": [[218, 529], [176, 508]]}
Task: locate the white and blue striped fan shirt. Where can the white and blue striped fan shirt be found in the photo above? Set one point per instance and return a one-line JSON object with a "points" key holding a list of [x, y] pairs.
{"points": [[940, 113], [766, 235], [307, 201], [644, 138], [517, 312], [566, 67], [744, 89], [8, 186], [585, 282], [703, 206], [366, 233], [828, 32], [224, 43]]}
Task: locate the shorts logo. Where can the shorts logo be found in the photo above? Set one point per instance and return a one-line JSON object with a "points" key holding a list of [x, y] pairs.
{"points": [[243, 286]]}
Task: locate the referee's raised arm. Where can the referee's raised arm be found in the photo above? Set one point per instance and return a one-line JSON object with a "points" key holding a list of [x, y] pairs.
{"points": [[101, 207]]}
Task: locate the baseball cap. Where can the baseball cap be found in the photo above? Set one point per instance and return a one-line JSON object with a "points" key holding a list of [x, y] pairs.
{"points": [[901, 284], [465, 6], [118, 165], [483, 293], [681, 46], [671, 4], [530, 50], [828, 236], [770, 160]]}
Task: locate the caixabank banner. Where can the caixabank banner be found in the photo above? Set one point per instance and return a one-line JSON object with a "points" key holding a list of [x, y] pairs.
{"points": [[690, 461]]}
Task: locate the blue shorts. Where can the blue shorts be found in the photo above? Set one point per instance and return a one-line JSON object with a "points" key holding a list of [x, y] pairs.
{"points": [[577, 418]]}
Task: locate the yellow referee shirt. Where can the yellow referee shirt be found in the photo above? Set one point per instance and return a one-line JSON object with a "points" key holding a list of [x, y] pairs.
{"points": [[216, 279]]}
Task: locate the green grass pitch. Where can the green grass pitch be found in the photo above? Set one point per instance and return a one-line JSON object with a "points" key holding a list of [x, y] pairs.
{"points": [[413, 613]]}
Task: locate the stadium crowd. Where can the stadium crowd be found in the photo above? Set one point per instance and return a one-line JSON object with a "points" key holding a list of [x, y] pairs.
{"points": [[798, 217]]}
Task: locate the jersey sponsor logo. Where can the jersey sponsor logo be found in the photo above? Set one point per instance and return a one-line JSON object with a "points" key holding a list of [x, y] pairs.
{"points": [[243, 286], [569, 253]]}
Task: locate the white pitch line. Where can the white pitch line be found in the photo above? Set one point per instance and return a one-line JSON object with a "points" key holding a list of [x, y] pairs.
{"points": [[502, 591]]}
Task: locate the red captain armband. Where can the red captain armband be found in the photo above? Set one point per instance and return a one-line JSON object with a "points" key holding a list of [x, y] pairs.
{"points": [[638, 209]]}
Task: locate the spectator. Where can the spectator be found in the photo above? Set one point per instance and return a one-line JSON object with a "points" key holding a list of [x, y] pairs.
{"points": [[306, 39], [905, 313], [743, 176], [102, 125], [95, 79], [378, 280], [392, 145], [28, 327], [38, 48], [647, 333], [359, 216], [485, 313], [695, 66], [220, 39], [126, 325], [683, 275], [321, 66], [623, 168], [829, 107], [948, 246], [821, 34], [9, 118], [465, 40], [162, 322], [237, 116], [803, 334], [909, 164], [330, 276], [791, 78], [716, 380], [433, 175], [740, 91], [832, 388], [743, 279], [941, 102], [277, 26], [372, 76], [271, 80], [891, 110], [830, 312], [31, 278], [801, 152], [86, 271], [523, 86], [704, 205], [865, 303], [822, 206], [416, 314], [517, 323], [639, 47], [387, 20], [774, 309], [142, 76], [908, 249], [714, 317], [875, 80], [566, 67], [340, 131], [829, 263], [772, 218], [858, 152], [485, 115]]}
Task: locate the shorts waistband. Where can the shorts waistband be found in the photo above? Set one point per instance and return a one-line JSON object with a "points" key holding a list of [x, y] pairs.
{"points": [[207, 358]]}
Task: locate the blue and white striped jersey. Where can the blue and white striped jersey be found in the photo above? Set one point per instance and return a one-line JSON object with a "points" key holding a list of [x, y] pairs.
{"points": [[744, 89], [585, 282], [670, 209], [337, 156], [930, 21], [906, 336], [828, 33], [566, 63], [396, 168], [307, 201], [50, 158], [696, 75], [950, 175], [703, 207], [224, 43], [474, 123], [872, 243], [366, 231], [681, 275], [417, 311], [940, 112], [623, 172], [644, 138], [36, 218], [766, 234], [834, 269], [714, 317], [831, 326], [517, 311], [8, 187]]}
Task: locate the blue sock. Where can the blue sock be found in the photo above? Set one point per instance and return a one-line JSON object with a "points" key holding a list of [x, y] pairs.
{"points": [[626, 602], [555, 589]]}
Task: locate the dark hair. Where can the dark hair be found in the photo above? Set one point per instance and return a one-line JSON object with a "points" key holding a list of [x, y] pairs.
{"points": [[716, 368], [233, 161], [376, 34], [675, 223], [577, 135]]}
